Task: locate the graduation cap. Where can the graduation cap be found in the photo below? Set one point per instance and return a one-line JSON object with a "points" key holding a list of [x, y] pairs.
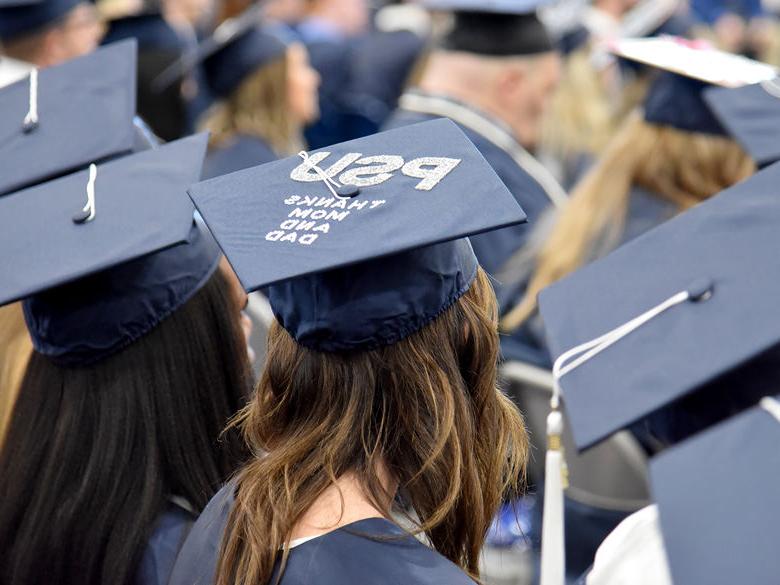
{"points": [[237, 47], [495, 28], [103, 255], [717, 497], [687, 68], [19, 17], [751, 114], [363, 243], [65, 117]]}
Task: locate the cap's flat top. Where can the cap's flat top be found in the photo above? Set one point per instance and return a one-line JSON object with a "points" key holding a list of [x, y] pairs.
{"points": [[718, 497], [273, 228], [730, 240], [695, 60], [85, 112], [141, 207], [751, 114]]}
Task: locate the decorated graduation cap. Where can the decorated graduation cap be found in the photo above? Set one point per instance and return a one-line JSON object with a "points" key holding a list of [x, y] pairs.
{"points": [[670, 329], [687, 68], [751, 115], [21, 17], [495, 27], [363, 243], [101, 256], [62, 118], [717, 496]]}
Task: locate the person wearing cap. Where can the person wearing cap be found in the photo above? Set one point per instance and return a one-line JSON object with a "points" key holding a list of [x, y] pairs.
{"points": [[377, 414], [672, 156], [493, 74], [116, 442], [267, 92], [672, 334], [44, 33]]}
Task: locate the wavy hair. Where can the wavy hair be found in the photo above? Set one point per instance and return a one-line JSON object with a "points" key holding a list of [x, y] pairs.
{"points": [[427, 409]]}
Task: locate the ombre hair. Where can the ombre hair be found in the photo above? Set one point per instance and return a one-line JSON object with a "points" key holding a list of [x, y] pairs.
{"points": [[426, 408]]}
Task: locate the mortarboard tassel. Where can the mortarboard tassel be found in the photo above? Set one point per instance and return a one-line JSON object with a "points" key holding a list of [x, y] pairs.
{"points": [[553, 562], [30, 122]]}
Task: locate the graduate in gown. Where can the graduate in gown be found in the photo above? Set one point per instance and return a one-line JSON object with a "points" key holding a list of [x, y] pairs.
{"points": [[267, 92], [116, 443], [377, 415], [493, 75]]}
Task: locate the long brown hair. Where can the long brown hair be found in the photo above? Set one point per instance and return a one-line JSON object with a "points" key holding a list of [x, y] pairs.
{"points": [[257, 107], [15, 351], [427, 408], [682, 167]]}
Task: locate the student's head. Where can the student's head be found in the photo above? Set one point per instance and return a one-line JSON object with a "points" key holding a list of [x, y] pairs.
{"points": [[426, 409], [267, 89], [94, 451], [50, 32], [680, 166], [502, 64]]}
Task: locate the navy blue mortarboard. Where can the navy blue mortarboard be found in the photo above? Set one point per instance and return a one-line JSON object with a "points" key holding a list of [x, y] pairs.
{"points": [[103, 255], [373, 253], [687, 68], [497, 28], [20, 17], [717, 497], [59, 119], [677, 319], [751, 114]]}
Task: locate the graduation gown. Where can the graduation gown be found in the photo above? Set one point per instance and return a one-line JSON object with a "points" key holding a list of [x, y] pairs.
{"points": [[242, 152], [531, 184], [159, 557], [351, 554]]}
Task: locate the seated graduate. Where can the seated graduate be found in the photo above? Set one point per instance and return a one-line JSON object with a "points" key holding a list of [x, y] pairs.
{"points": [[116, 443], [663, 161], [379, 394], [671, 336], [267, 92]]}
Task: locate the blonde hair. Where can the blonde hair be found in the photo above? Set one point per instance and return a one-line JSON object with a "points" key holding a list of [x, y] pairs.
{"points": [[684, 168], [15, 351], [257, 107], [427, 407]]}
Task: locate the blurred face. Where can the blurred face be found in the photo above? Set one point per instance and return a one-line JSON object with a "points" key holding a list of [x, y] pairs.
{"points": [[302, 85], [523, 93], [78, 34]]}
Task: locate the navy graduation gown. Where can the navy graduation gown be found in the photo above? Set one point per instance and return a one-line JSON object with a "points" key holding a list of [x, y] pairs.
{"points": [[242, 152], [159, 557], [531, 184], [369, 552]]}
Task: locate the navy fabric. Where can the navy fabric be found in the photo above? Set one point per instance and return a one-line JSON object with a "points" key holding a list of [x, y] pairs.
{"points": [[354, 273], [677, 101], [498, 34], [495, 247], [728, 241], [20, 18], [227, 67], [717, 497], [369, 552], [93, 123], [95, 287], [169, 534], [505, 7], [752, 116], [150, 30], [242, 152]]}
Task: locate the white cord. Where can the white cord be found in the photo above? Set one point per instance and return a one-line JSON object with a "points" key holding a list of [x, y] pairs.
{"points": [[90, 206], [329, 181], [31, 119], [591, 348], [771, 405]]}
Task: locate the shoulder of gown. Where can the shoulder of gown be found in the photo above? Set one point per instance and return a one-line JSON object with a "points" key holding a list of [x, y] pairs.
{"points": [[169, 534], [240, 153]]}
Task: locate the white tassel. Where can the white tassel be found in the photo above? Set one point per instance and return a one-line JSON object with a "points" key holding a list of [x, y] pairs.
{"points": [[553, 567]]}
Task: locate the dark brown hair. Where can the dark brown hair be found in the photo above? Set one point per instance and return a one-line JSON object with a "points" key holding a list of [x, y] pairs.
{"points": [[426, 408], [93, 453]]}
